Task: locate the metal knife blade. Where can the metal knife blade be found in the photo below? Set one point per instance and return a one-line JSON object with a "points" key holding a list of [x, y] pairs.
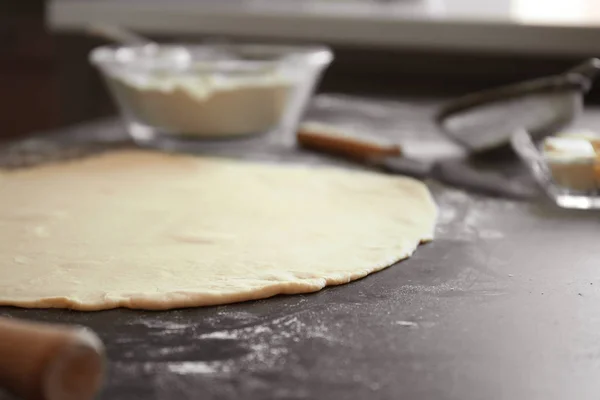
{"points": [[457, 173]]}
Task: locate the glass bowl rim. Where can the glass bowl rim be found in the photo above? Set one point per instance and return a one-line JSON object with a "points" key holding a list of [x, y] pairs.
{"points": [[314, 56]]}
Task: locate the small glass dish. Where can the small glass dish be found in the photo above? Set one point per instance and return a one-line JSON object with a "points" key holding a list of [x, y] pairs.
{"points": [[171, 94], [570, 183]]}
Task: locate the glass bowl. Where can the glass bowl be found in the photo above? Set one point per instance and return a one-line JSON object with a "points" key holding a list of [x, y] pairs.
{"points": [[570, 183], [173, 93]]}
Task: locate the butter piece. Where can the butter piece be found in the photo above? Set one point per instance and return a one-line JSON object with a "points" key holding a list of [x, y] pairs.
{"points": [[568, 149], [573, 162], [590, 136]]}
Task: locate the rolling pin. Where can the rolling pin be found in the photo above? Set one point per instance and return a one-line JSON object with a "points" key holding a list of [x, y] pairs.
{"points": [[49, 362], [343, 142]]}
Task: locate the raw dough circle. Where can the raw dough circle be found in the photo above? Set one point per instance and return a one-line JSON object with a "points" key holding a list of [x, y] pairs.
{"points": [[147, 230]]}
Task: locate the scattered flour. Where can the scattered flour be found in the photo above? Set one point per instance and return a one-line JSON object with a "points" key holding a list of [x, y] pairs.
{"points": [[219, 335], [169, 326], [264, 344], [191, 367], [408, 324]]}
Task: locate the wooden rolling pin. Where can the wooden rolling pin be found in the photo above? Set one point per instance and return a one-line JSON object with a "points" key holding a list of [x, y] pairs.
{"points": [[343, 142], [49, 362]]}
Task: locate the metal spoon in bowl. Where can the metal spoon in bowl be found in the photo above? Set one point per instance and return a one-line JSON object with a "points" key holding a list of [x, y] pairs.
{"points": [[119, 35], [171, 53]]}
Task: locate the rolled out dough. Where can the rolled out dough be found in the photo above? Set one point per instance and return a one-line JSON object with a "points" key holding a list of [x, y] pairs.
{"points": [[147, 230]]}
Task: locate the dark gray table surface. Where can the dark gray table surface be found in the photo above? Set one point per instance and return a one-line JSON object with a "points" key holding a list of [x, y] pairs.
{"points": [[503, 304]]}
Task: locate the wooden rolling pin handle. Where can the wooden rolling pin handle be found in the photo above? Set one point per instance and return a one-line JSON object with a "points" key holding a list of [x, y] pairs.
{"points": [[49, 362], [331, 141]]}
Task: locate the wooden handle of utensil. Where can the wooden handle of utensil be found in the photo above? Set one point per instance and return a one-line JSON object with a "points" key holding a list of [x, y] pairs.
{"points": [[337, 141], [49, 362]]}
